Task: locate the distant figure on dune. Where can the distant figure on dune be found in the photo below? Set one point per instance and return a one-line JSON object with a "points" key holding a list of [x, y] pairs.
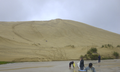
{"points": [[99, 58], [81, 64], [72, 63], [90, 68]]}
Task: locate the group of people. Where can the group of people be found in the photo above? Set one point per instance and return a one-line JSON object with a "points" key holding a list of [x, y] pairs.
{"points": [[81, 66]]}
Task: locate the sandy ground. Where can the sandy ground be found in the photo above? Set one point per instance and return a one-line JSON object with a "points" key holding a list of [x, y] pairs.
{"points": [[52, 40], [59, 66]]}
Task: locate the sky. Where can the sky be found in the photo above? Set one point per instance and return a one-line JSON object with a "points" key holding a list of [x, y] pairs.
{"points": [[103, 14]]}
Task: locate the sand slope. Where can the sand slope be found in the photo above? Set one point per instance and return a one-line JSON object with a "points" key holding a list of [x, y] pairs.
{"points": [[51, 40]]}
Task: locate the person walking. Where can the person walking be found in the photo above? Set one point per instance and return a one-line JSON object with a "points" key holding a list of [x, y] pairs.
{"points": [[81, 64], [99, 59]]}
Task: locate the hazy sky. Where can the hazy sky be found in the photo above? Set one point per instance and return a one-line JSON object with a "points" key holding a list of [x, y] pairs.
{"points": [[104, 14]]}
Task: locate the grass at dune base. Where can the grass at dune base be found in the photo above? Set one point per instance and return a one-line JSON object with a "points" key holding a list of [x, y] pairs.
{"points": [[5, 62], [93, 55]]}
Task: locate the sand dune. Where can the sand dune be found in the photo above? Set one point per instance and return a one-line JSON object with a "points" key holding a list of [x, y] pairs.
{"points": [[51, 40]]}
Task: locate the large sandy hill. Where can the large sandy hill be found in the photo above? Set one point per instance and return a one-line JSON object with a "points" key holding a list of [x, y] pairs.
{"points": [[51, 40]]}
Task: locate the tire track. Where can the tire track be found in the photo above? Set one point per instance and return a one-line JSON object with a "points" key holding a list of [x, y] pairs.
{"points": [[36, 31], [52, 53], [64, 31], [13, 28], [9, 40], [38, 54]]}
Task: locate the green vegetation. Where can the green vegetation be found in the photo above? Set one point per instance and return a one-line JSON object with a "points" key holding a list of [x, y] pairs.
{"points": [[4, 62], [107, 46], [94, 56], [118, 45], [94, 50], [116, 54], [81, 56], [91, 54]]}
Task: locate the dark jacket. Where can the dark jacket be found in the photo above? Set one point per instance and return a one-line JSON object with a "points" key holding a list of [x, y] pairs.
{"points": [[71, 63], [99, 58], [82, 63]]}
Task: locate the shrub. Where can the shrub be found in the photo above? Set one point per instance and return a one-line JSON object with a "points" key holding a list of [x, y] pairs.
{"points": [[89, 52], [88, 57], [94, 50], [102, 46], [81, 56], [118, 45], [107, 46], [116, 54], [94, 56]]}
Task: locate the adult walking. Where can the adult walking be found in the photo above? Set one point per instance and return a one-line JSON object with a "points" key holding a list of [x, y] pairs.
{"points": [[81, 64], [99, 58]]}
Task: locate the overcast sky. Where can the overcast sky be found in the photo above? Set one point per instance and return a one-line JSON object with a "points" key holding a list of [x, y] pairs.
{"points": [[104, 14]]}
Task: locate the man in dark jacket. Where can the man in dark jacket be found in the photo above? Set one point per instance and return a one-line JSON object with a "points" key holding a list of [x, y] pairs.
{"points": [[81, 64], [99, 58]]}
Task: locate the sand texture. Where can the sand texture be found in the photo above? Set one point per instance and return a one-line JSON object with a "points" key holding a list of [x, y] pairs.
{"points": [[52, 40]]}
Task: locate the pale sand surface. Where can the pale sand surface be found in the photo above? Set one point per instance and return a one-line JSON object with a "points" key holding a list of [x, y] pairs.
{"points": [[60, 66], [52, 40]]}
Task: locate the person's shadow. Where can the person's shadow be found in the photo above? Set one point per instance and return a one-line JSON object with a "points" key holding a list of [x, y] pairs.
{"points": [[99, 67], [98, 64]]}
